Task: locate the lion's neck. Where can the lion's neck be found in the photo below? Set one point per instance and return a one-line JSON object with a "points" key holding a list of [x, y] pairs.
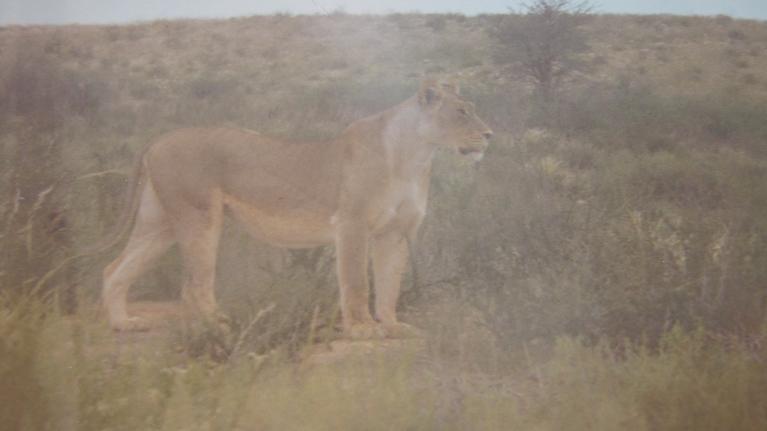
{"points": [[408, 153]]}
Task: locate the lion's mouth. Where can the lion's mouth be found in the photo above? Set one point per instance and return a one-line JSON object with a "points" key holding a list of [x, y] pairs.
{"points": [[474, 153]]}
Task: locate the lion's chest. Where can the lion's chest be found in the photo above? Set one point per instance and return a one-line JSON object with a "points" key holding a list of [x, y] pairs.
{"points": [[399, 206]]}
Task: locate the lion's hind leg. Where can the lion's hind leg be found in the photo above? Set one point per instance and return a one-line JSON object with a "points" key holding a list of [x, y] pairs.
{"points": [[150, 238]]}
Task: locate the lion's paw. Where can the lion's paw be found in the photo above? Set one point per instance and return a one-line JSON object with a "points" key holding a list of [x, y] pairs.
{"points": [[221, 323]]}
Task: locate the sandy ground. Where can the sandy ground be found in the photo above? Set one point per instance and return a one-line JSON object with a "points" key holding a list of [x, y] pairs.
{"points": [[165, 315]]}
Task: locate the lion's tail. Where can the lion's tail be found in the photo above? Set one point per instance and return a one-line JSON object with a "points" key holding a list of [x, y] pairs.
{"points": [[137, 179], [129, 208]]}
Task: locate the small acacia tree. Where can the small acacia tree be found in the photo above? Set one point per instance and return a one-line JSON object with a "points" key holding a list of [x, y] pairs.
{"points": [[544, 43]]}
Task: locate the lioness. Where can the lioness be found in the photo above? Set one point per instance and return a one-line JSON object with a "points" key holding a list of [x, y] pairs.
{"points": [[365, 189]]}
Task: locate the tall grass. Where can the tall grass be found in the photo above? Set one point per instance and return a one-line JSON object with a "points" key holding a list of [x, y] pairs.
{"points": [[22, 395], [71, 374]]}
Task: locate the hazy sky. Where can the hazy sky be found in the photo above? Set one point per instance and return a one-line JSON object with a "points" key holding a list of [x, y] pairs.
{"points": [[113, 11]]}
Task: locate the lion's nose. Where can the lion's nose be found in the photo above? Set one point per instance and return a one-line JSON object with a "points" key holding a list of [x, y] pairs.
{"points": [[487, 135]]}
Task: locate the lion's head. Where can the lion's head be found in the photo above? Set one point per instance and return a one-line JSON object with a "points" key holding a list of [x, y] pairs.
{"points": [[451, 121]]}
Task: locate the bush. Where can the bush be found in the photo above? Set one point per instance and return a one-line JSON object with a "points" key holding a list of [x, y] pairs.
{"points": [[631, 115], [38, 88], [437, 22], [565, 236], [544, 43], [211, 99]]}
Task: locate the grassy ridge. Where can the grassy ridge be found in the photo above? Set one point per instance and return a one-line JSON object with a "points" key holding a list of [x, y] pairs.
{"points": [[603, 268]]}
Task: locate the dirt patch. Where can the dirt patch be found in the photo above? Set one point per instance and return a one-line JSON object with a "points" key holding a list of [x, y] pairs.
{"points": [[342, 351]]}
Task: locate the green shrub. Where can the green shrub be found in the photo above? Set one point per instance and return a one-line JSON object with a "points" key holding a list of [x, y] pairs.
{"points": [[436, 22], [566, 236]]}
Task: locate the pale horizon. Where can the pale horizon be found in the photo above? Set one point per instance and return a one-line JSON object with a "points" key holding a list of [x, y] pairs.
{"points": [[119, 12]]}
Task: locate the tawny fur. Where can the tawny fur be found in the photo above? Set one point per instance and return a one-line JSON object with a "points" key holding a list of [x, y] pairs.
{"points": [[365, 191]]}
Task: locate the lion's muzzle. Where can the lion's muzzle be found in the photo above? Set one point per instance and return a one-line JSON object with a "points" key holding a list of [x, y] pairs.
{"points": [[475, 148]]}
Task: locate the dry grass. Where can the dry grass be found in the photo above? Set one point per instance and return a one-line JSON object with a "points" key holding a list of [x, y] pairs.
{"points": [[73, 374], [644, 207]]}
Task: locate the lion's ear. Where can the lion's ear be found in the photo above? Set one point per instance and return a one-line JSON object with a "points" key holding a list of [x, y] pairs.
{"points": [[451, 86], [430, 93]]}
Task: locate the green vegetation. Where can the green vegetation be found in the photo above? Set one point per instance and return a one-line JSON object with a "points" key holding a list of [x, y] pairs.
{"points": [[544, 44], [602, 268]]}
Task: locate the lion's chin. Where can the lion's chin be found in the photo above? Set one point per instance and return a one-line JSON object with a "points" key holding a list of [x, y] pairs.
{"points": [[472, 153]]}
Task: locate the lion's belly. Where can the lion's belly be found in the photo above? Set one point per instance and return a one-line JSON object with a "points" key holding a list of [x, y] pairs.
{"points": [[298, 228]]}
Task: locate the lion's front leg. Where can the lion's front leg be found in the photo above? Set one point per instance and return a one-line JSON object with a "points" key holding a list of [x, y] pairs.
{"points": [[351, 259], [390, 257], [198, 233]]}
